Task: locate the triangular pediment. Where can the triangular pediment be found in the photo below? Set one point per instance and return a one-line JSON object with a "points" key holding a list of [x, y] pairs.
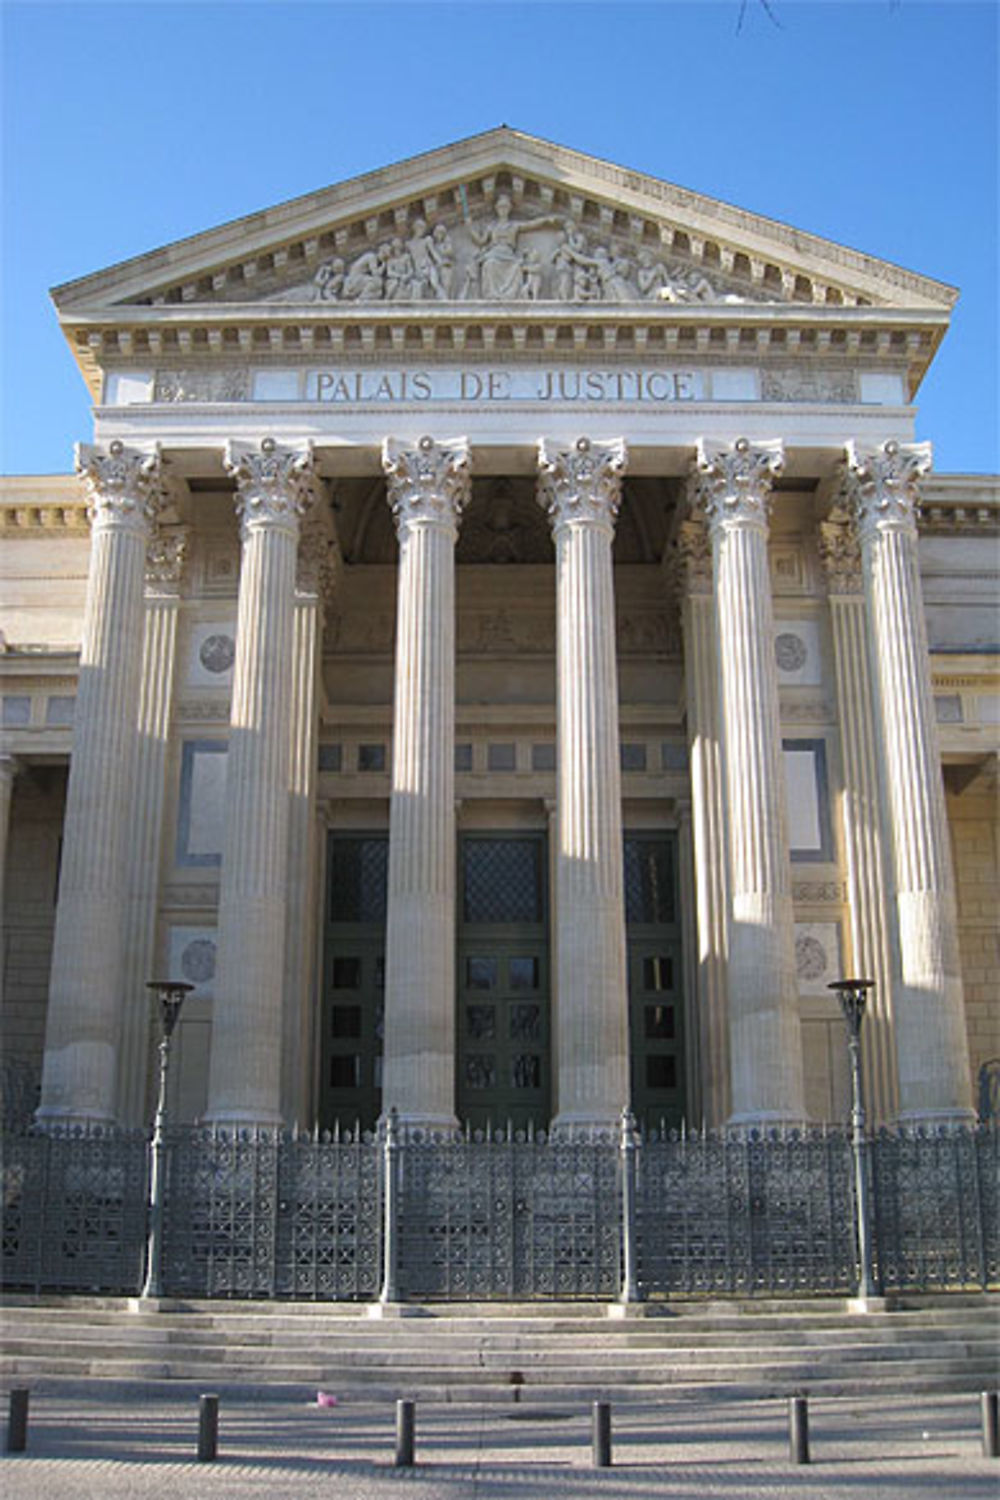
{"points": [[500, 221]]}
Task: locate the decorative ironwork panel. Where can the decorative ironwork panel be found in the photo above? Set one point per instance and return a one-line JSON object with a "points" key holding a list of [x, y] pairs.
{"points": [[649, 881], [359, 879], [738, 1215], [502, 880], [258, 1214], [936, 1211], [74, 1210], [509, 1216]]}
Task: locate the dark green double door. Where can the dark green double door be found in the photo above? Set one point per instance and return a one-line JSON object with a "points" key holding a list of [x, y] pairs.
{"points": [[503, 995]]}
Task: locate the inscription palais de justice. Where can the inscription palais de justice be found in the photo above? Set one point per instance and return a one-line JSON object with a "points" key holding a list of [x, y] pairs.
{"points": [[488, 385]]}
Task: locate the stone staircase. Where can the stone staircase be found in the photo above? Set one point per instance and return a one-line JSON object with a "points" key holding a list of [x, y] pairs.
{"points": [[515, 1353]]}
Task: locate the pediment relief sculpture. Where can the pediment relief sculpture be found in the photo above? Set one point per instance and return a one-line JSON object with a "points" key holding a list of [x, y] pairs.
{"points": [[499, 256]]}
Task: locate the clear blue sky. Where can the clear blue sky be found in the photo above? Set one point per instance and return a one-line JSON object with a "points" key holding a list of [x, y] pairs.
{"points": [[127, 125]]}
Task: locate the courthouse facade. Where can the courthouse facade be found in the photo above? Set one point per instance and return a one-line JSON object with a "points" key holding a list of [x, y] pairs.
{"points": [[504, 648]]}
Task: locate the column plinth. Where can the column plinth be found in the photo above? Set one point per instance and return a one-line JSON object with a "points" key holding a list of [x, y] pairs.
{"points": [[733, 484], [929, 1017], [85, 994], [274, 488], [580, 488], [428, 488]]}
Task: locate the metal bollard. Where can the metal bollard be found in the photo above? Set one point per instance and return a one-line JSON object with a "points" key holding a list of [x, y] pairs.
{"points": [[208, 1428], [17, 1421], [991, 1431], [405, 1433], [602, 1435], [798, 1430]]}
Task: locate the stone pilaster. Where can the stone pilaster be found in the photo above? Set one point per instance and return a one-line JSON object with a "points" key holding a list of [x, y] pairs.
{"points": [[929, 1015], [428, 487], [580, 487], [318, 570], [693, 576], [872, 922], [274, 487], [165, 560], [85, 994], [733, 484]]}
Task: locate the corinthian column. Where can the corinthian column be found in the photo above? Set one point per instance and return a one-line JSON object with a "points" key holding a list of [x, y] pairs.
{"points": [[580, 487], [931, 1047], [85, 993], [274, 486], [428, 488], [733, 483], [693, 574], [865, 831]]}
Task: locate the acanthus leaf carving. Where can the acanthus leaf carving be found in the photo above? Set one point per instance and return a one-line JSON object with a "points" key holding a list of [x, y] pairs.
{"points": [[166, 554], [428, 481], [732, 481], [124, 486], [274, 485], [840, 555], [582, 483], [882, 484]]}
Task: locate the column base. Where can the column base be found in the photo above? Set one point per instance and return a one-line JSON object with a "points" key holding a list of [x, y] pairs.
{"points": [[585, 1125], [431, 1124], [763, 1120], [239, 1119], [52, 1118]]}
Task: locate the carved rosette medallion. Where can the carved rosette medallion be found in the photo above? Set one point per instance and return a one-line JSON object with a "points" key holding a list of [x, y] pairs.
{"points": [[840, 555], [166, 555], [882, 484], [274, 485], [732, 481], [582, 483], [124, 486], [428, 482]]}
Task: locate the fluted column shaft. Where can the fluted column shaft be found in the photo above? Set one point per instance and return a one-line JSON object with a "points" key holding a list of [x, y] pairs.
{"points": [[164, 567], [931, 1044], [85, 992], [428, 487], [8, 771], [765, 1038], [580, 488], [708, 815], [273, 488], [872, 922]]}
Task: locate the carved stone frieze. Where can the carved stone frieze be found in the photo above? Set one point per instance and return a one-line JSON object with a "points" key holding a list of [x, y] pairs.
{"points": [[35, 520], [124, 486], [809, 385], [430, 481], [502, 631], [805, 710], [505, 255], [187, 896], [882, 484], [275, 485], [646, 631], [817, 892], [229, 384], [203, 710], [503, 525], [582, 483]]}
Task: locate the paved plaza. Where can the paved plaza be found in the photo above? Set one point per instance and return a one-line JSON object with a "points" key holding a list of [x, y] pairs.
{"points": [[109, 1442]]}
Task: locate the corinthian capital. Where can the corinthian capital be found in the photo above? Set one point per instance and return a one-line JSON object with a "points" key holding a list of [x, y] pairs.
{"points": [[882, 484], [274, 485], [166, 555], [428, 482], [124, 486], [582, 483], [840, 555], [732, 481], [689, 564]]}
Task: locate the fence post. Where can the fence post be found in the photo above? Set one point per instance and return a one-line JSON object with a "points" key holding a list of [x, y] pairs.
{"points": [[629, 1152], [390, 1167]]}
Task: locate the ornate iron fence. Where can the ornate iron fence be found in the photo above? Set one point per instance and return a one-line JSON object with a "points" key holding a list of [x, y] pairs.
{"points": [[265, 1215]]}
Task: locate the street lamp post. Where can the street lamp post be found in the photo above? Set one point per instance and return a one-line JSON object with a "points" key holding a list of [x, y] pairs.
{"points": [[853, 994], [170, 995]]}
